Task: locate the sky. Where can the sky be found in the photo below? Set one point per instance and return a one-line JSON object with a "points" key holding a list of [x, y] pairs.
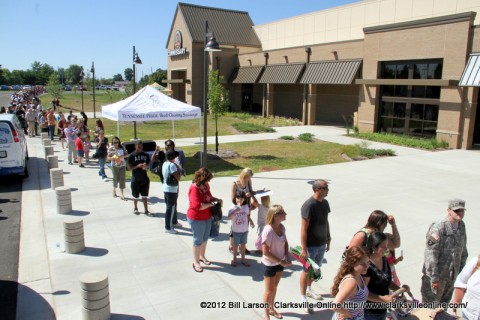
{"points": [[65, 32]]}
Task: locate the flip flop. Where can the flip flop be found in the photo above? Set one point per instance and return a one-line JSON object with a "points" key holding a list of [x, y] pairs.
{"points": [[205, 262], [197, 269], [275, 314], [246, 264], [233, 263]]}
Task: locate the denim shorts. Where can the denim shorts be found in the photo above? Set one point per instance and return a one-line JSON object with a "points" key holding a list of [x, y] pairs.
{"points": [[316, 254], [240, 238], [375, 316], [80, 153], [200, 231]]}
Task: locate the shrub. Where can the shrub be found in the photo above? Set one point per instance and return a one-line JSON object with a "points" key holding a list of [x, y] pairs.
{"points": [[362, 150], [307, 137], [402, 140], [287, 138]]}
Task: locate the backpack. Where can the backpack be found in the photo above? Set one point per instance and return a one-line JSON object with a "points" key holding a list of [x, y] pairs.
{"points": [[156, 164]]}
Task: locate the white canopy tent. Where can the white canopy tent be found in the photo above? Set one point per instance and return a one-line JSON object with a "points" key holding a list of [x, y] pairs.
{"points": [[149, 104]]}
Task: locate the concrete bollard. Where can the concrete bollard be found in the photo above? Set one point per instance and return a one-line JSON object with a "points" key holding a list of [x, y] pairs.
{"points": [[52, 162], [56, 177], [74, 235], [43, 135], [48, 151], [95, 295], [46, 142], [64, 200]]}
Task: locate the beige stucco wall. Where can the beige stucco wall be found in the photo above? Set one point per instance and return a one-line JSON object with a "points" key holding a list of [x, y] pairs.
{"points": [[448, 41], [346, 22]]}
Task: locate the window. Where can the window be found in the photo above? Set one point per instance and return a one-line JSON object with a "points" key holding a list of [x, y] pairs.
{"points": [[409, 109]]}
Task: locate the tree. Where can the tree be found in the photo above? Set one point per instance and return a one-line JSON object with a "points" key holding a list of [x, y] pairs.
{"points": [[117, 77], [73, 74], [54, 86], [128, 74], [217, 100]]}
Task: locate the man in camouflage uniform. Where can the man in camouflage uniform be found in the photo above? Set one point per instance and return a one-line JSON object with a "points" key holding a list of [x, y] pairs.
{"points": [[445, 254]]}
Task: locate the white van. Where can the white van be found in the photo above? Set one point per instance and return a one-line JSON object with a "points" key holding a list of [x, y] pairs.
{"points": [[13, 146]]}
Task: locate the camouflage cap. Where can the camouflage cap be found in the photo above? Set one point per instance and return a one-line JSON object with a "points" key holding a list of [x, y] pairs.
{"points": [[455, 204]]}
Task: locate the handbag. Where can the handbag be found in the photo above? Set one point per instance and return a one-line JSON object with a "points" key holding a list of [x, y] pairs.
{"points": [[215, 229], [217, 211]]}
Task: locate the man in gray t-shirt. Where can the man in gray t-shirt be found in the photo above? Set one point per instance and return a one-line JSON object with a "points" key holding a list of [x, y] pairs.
{"points": [[314, 235]]}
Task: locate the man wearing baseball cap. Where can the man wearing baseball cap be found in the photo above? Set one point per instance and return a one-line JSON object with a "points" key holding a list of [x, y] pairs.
{"points": [[445, 254]]}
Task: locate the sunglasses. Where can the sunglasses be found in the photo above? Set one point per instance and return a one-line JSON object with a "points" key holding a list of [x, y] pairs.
{"points": [[322, 188]]}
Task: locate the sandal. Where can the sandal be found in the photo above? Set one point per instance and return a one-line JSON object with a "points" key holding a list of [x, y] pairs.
{"points": [[233, 263], [275, 314], [205, 262], [197, 269], [246, 264], [136, 211]]}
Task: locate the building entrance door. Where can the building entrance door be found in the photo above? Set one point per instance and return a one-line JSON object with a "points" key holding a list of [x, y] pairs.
{"points": [[179, 88], [247, 92]]}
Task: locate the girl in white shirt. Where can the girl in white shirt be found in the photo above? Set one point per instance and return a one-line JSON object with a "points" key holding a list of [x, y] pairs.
{"points": [[240, 216]]}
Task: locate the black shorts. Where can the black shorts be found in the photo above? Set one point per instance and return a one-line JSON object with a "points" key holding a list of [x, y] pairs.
{"points": [[271, 271], [140, 189]]}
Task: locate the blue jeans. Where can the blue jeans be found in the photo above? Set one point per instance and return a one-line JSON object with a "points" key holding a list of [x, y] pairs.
{"points": [[171, 211], [316, 254], [51, 130], [101, 172], [200, 230]]}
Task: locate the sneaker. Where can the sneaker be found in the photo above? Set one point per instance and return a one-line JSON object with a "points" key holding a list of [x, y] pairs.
{"points": [[314, 295], [105, 179], [148, 213], [70, 162], [135, 211], [177, 225], [171, 231], [81, 166]]}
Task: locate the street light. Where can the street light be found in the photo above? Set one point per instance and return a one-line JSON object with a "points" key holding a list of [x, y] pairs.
{"points": [[136, 60], [92, 70], [210, 46], [82, 75]]}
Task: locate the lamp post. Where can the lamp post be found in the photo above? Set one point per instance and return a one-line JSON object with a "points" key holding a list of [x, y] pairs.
{"points": [[92, 70], [136, 60], [210, 46], [82, 75]]}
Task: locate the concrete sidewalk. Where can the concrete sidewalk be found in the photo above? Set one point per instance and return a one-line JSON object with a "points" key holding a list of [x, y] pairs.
{"points": [[150, 272]]}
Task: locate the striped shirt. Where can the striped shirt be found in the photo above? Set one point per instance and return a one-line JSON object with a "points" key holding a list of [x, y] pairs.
{"points": [[360, 298]]}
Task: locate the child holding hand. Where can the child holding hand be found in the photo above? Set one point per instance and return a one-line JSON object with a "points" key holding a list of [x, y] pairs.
{"points": [[240, 216]]}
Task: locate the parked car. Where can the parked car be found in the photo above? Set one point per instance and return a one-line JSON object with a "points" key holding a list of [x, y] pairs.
{"points": [[27, 87], [16, 87], [3, 87], [13, 146], [67, 87]]}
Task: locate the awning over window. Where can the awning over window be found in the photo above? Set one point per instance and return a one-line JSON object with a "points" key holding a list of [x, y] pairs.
{"points": [[331, 72], [471, 74], [246, 74], [282, 73]]}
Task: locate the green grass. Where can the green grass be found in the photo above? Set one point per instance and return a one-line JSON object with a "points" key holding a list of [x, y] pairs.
{"points": [[360, 150], [402, 140], [268, 155], [248, 127]]}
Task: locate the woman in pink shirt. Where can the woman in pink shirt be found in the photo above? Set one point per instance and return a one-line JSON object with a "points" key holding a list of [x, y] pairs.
{"points": [[275, 256]]}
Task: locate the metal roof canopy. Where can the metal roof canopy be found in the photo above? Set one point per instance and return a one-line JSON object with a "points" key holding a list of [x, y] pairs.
{"points": [[246, 74], [282, 73], [331, 72], [471, 74]]}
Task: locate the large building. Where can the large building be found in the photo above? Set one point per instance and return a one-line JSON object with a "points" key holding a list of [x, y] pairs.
{"points": [[402, 66]]}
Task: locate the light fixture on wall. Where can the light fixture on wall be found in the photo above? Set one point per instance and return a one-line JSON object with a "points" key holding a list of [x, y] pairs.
{"points": [[286, 59], [335, 54], [249, 62]]}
